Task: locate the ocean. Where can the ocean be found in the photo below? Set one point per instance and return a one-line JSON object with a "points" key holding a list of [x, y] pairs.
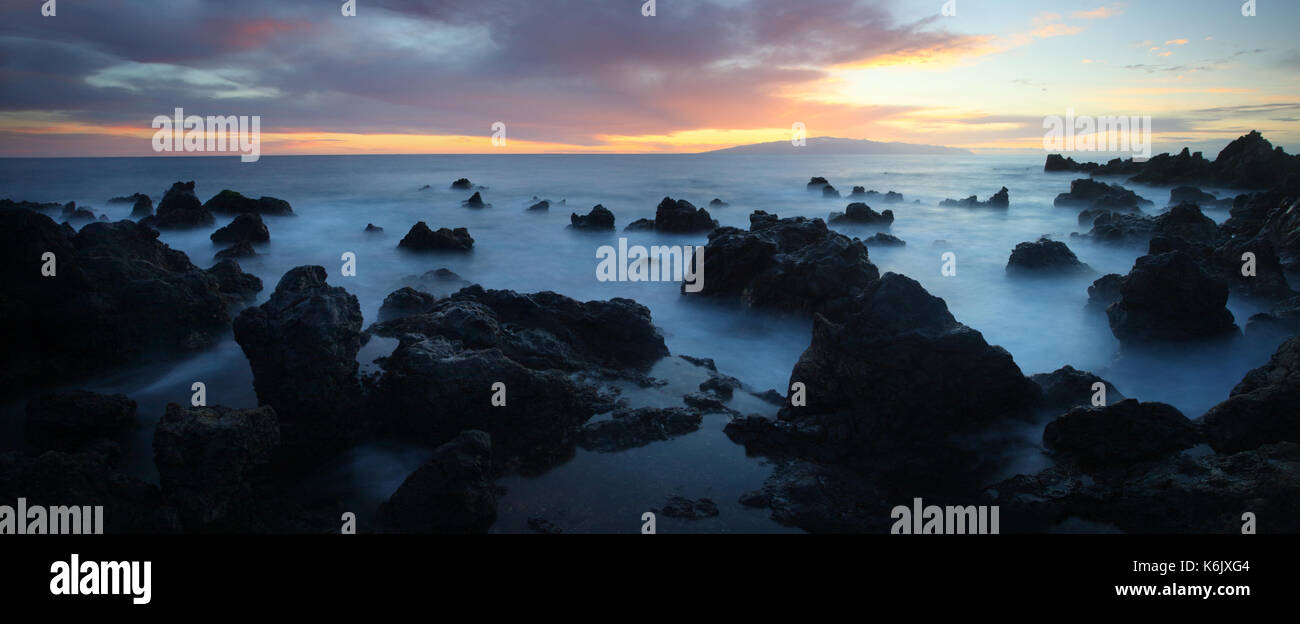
{"points": [[1042, 322]]}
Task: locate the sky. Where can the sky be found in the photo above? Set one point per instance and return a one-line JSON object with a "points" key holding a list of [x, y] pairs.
{"points": [[411, 76]]}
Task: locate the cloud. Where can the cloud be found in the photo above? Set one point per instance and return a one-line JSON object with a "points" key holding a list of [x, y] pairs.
{"points": [[1099, 12]]}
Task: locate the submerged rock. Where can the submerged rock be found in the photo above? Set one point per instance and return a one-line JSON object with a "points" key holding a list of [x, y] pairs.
{"points": [[1119, 435], [1262, 409], [1068, 387], [475, 201], [885, 239], [421, 238], [1044, 256], [687, 509], [232, 202], [180, 209], [246, 227], [1167, 297], [858, 212], [241, 249], [793, 264], [627, 429], [1095, 195], [236, 285], [462, 184], [1000, 199], [373, 229], [600, 218], [681, 216], [405, 301]]}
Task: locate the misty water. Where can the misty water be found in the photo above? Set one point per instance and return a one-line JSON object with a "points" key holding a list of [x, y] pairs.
{"points": [[1043, 322]]}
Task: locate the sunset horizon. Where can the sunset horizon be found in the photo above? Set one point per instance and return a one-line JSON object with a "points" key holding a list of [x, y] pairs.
{"points": [[580, 78]]}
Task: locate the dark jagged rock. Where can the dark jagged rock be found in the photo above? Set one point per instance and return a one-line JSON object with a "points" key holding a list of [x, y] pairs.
{"points": [[241, 249], [706, 403], [72, 213], [542, 330], [373, 229], [69, 420], [462, 184], [701, 362], [141, 205], [858, 212], [541, 205], [130, 199], [236, 285], [1175, 494], [475, 201], [829, 191], [721, 385], [438, 282], [1283, 319], [884, 239], [1170, 169], [232, 202], [1105, 290], [1000, 199], [898, 336], [793, 264], [687, 509], [855, 443], [421, 238], [128, 296], [1186, 221], [42, 207], [1262, 409], [432, 388], [405, 301], [246, 227], [441, 377], [1119, 435], [816, 182], [1042, 256], [717, 203], [1056, 162], [627, 429], [210, 458], [302, 347], [889, 197], [640, 224], [822, 499], [858, 191], [1068, 387], [1096, 196], [600, 218], [681, 216], [1167, 297], [451, 493], [1191, 195], [180, 209], [1118, 228]]}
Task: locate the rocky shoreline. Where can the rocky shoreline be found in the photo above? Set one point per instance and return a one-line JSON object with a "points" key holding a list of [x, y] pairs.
{"points": [[893, 398]]}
